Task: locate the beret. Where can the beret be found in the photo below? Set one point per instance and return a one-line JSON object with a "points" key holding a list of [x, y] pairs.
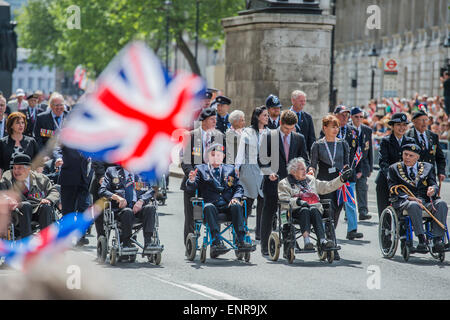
{"points": [[22, 158], [412, 147], [418, 114], [398, 117], [206, 113], [355, 110]]}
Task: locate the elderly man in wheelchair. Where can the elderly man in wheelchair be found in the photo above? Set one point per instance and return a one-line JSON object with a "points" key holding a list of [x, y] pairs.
{"points": [[298, 193], [131, 201], [219, 186], [414, 190], [38, 196]]}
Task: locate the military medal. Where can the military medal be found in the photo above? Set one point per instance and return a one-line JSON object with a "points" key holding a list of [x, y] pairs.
{"points": [[367, 145], [354, 143], [230, 181], [116, 180]]}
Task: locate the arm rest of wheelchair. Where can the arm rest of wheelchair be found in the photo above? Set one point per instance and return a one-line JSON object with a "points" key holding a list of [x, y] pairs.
{"points": [[196, 200], [283, 201], [325, 201]]}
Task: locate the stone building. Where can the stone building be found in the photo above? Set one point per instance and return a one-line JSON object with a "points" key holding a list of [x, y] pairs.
{"points": [[411, 32]]}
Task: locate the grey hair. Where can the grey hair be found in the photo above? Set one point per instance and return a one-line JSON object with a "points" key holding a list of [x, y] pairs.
{"points": [[235, 116], [293, 164], [297, 93]]}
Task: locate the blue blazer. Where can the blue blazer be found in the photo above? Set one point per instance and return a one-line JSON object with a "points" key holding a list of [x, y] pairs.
{"points": [[208, 188]]}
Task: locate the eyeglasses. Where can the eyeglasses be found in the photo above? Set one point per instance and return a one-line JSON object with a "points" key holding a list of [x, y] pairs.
{"points": [[359, 117]]}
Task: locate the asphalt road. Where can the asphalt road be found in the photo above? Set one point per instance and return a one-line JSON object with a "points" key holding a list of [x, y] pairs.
{"points": [[361, 273]]}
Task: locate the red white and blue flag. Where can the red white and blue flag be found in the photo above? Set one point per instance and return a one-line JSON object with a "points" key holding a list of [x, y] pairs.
{"points": [[357, 158], [345, 194], [55, 238], [135, 114]]}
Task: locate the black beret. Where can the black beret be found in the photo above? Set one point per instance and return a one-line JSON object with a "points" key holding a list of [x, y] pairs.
{"points": [[22, 158], [419, 113], [34, 95], [399, 117], [223, 100], [206, 113], [412, 147], [355, 111]]}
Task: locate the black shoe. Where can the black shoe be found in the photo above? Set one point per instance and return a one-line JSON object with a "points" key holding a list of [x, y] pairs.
{"points": [[219, 248], [83, 241], [365, 217], [337, 257], [244, 245], [354, 235], [265, 252], [438, 247], [308, 247], [327, 245], [422, 247]]}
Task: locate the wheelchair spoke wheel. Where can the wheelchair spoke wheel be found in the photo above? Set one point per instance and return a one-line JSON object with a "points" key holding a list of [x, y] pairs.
{"points": [[406, 251], [157, 258], [330, 256], [239, 255], [247, 256], [191, 246], [274, 246], [388, 232], [203, 255], [113, 257], [102, 249]]}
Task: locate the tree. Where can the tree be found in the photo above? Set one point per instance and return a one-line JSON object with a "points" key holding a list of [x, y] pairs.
{"points": [[108, 25]]}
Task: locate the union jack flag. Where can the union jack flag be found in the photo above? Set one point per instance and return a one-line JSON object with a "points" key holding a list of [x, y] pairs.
{"points": [[53, 239], [345, 193], [136, 113], [357, 158]]}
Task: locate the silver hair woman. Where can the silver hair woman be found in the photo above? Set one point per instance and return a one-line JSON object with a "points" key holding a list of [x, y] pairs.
{"points": [[301, 191]]}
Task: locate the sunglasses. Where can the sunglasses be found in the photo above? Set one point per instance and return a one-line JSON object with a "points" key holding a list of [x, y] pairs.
{"points": [[359, 117]]}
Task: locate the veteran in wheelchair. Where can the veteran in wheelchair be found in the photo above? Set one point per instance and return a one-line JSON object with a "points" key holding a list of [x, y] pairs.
{"points": [[38, 197], [416, 207], [299, 204], [221, 195], [130, 208]]}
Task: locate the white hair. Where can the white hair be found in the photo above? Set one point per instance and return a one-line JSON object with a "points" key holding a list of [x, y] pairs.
{"points": [[55, 95], [294, 163], [296, 93], [235, 116]]}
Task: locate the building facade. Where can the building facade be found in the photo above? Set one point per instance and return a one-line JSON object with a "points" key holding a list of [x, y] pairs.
{"points": [[411, 32]]}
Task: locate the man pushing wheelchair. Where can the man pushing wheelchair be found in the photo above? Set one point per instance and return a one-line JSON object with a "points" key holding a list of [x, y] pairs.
{"points": [[413, 189]]}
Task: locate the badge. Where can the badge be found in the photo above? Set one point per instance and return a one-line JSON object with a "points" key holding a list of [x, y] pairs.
{"points": [[230, 181], [433, 150], [424, 182], [331, 170], [116, 180], [354, 143], [196, 151], [367, 145]]}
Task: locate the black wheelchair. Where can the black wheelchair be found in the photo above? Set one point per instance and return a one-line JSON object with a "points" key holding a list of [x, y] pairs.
{"points": [[395, 226], [111, 244], [192, 239], [285, 217]]}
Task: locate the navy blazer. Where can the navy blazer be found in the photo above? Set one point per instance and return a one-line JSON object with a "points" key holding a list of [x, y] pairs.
{"points": [[306, 127], [74, 169], [45, 122], [208, 188], [365, 142], [114, 183]]}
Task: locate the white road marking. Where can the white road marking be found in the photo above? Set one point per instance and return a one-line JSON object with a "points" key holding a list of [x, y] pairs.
{"points": [[220, 295]]}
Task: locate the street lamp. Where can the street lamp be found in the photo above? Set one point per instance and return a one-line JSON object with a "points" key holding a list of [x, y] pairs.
{"points": [[373, 65], [197, 18], [167, 4]]}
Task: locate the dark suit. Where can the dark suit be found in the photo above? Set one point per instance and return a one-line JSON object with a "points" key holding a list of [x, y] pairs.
{"points": [[115, 182], [28, 144], [31, 121], [424, 178], [432, 154], [223, 124], [74, 180], [390, 153], [5, 133], [272, 125], [217, 197], [297, 148], [365, 166], [45, 128], [305, 126], [193, 154]]}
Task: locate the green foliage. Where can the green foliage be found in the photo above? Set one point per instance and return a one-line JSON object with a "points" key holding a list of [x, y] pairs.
{"points": [[108, 25]]}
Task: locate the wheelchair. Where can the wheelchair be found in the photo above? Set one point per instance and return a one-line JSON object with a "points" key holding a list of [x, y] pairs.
{"points": [[111, 244], [276, 238], [395, 226], [192, 239], [161, 190]]}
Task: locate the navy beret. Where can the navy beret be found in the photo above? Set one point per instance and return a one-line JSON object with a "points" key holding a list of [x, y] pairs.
{"points": [[419, 113], [412, 147], [206, 113], [23, 159], [355, 110]]}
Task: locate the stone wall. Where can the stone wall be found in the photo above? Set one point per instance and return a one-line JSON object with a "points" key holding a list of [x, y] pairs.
{"points": [[276, 54]]}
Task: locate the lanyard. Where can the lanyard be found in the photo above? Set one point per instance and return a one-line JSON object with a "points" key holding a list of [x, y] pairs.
{"points": [[329, 153], [345, 133], [2, 132], [212, 175]]}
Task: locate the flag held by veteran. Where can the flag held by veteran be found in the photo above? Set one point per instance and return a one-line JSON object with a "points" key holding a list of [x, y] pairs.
{"points": [[133, 112]]}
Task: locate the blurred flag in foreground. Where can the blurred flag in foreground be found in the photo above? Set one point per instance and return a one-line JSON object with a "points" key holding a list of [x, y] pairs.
{"points": [[133, 113], [57, 237]]}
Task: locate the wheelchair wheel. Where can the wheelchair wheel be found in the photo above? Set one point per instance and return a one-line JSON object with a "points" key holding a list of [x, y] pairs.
{"points": [[132, 258], [330, 256], [247, 256], [239, 255], [321, 253], [274, 246], [291, 255], [113, 257], [155, 258], [102, 249], [191, 246], [203, 255], [214, 254], [388, 232], [406, 251]]}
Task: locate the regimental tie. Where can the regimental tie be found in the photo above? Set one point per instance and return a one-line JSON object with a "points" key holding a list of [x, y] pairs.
{"points": [[422, 141], [129, 190], [412, 175]]}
